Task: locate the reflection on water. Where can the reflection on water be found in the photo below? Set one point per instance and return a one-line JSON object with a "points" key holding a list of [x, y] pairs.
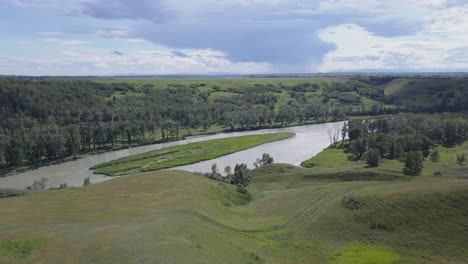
{"points": [[309, 141]]}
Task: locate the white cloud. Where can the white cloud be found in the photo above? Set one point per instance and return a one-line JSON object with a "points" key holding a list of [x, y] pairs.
{"points": [[442, 38], [65, 41], [141, 62], [50, 33]]}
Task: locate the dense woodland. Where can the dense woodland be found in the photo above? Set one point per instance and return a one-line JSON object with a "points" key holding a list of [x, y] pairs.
{"points": [[45, 119]]}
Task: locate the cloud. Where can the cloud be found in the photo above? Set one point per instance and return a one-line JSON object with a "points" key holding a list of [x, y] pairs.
{"points": [[141, 62], [65, 41], [440, 45], [49, 6], [116, 52], [279, 35], [179, 54], [152, 10], [115, 32], [50, 33]]}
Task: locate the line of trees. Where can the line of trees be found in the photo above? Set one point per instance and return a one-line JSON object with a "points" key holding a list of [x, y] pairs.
{"points": [[410, 138]]}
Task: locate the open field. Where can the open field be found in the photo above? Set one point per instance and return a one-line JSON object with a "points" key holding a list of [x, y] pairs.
{"points": [[185, 154], [295, 216]]}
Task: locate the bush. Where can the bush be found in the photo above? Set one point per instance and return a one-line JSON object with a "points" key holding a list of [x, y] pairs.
{"points": [[413, 163], [241, 175], [461, 159], [372, 158], [39, 184], [87, 181], [352, 202], [242, 190], [434, 156], [265, 160], [4, 193]]}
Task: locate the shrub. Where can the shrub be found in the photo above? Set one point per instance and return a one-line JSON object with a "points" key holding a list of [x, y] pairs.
{"points": [[434, 156], [413, 163], [265, 160], [461, 159], [241, 175], [87, 181], [4, 193], [352, 202], [242, 190], [372, 157], [39, 184]]}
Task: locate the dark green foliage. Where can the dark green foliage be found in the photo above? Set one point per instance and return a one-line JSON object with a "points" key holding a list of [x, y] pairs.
{"points": [[413, 163], [214, 174], [434, 156], [461, 159], [265, 160], [394, 136], [4, 193], [86, 181], [241, 175], [39, 184], [372, 157], [352, 202]]}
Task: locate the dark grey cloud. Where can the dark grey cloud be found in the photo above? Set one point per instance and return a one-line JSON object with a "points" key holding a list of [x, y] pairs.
{"points": [[152, 10], [116, 52], [179, 54], [278, 42], [267, 34]]}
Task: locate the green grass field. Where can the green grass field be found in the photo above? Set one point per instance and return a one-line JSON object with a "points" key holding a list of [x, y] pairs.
{"points": [[185, 154], [295, 216]]}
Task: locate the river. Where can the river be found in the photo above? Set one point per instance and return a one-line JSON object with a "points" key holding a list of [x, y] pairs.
{"points": [[309, 141]]}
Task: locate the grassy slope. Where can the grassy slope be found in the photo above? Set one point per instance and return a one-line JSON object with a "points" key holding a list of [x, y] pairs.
{"points": [[294, 217], [334, 159], [229, 87], [424, 91], [185, 154]]}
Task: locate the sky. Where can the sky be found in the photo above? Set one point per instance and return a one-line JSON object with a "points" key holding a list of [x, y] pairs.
{"points": [[150, 37]]}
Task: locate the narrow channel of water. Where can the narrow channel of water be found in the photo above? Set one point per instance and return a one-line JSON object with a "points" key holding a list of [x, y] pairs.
{"points": [[309, 141]]}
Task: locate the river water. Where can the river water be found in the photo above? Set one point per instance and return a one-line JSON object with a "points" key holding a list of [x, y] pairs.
{"points": [[309, 141]]}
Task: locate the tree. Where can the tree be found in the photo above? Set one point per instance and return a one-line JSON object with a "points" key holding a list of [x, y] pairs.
{"points": [[344, 132], [413, 163], [39, 184], [372, 157], [227, 170], [14, 152], [434, 156], [241, 175], [461, 159], [265, 160], [354, 133], [358, 147], [215, 175], [86, 181]]}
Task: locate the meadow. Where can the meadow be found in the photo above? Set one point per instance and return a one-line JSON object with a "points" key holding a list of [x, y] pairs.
{"points": [[296, 215]]}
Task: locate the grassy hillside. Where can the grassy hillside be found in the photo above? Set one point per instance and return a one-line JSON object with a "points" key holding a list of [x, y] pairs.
{"points": [[185, 154], [427, 92], [295, 216]]}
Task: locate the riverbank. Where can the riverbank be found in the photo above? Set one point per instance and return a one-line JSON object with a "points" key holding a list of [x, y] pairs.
{"points": [[190, 133], [309, 141]]}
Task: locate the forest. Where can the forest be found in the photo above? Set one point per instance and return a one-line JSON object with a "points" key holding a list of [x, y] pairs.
{"points": [[47, 119]]}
